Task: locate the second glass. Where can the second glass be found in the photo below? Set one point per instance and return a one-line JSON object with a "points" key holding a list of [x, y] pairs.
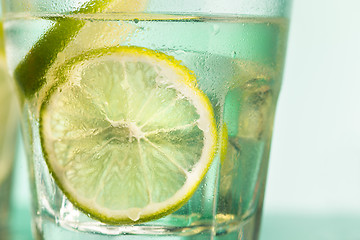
{"points": [[8, 124], [147, 121]]}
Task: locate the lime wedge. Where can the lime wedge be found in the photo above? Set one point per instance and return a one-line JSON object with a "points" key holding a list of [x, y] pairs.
{"points": [[126, 133], [30, 72]]}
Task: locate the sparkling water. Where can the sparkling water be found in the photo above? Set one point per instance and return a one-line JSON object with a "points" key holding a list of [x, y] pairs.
{"points": [[238, 64]]}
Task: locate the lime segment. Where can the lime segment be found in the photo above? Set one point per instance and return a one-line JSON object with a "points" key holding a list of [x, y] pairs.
{"points": [[30, 72], [127, 134]]}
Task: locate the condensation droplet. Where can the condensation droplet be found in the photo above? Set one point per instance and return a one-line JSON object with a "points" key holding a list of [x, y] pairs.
{"points": [[134, 214], [233, 54], [216, 29]]}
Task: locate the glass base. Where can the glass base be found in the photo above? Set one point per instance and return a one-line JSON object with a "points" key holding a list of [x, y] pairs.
{"points": [[245, 230]]}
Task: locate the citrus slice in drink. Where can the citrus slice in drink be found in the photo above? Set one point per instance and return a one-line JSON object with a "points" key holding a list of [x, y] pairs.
{"points": [[30, 72], [126, 134]]}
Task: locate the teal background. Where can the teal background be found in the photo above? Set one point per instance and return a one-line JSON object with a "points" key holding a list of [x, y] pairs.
{"points": [[313, 189]]}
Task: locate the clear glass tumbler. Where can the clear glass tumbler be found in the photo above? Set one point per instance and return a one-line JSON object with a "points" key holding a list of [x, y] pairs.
{"points": [[8, 120], [147, 119]]}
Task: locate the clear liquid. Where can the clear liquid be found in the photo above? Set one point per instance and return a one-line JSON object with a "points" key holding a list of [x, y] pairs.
{"points": [[238, 63]]}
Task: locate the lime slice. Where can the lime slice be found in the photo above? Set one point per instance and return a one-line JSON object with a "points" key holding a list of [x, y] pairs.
{"points": [[30, 72], [127, 135]]}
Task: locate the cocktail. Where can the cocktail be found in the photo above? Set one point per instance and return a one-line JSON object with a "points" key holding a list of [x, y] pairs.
{"points": [[145, 119]]}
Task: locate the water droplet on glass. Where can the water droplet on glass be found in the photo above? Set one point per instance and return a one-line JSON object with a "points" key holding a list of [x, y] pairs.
{"points": [[134, 214], [233, 54], [216, 29]]}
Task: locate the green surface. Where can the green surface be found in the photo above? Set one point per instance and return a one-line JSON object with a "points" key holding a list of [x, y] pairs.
{"points": [[310, 226]]}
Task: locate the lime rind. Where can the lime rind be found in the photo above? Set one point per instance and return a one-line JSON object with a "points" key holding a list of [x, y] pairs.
{"points": [[184, 83], [224, 141]]}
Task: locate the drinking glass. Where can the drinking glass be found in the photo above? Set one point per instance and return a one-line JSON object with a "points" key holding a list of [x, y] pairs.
{"points": [[147, 119], [8, 110]]}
